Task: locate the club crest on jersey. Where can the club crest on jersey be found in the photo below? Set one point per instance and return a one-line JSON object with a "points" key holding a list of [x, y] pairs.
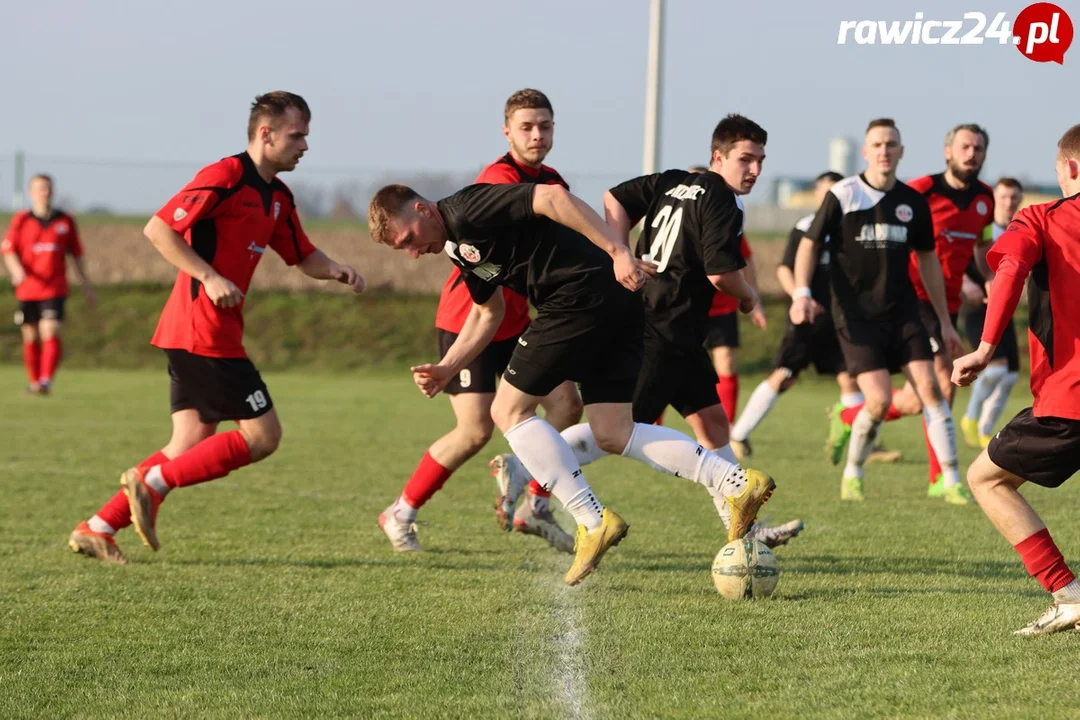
{"points": [[904, 213], [277, 210], [469, 253], [981, 207], [179, 214], [62, 228]]}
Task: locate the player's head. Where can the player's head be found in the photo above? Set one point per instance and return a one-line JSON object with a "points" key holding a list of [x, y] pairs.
{"points": [[822, 183], [41, 191], [278, 128], [399, 217], [529, 126], [1068, 161], [1008, 194], [738, 151], [697, 169], [882, 147], [965, 151]]}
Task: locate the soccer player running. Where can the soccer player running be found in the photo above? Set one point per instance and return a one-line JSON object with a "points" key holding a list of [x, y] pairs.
{"points": [[1041, 444], [579, 273], [990, 393], [529, 127], [35, 249], [693, 229], [214, 232], [873, 223]]}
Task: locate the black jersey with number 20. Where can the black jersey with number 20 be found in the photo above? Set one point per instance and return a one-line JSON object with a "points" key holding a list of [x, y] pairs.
{"points": [[693, 226], [871, 235]]}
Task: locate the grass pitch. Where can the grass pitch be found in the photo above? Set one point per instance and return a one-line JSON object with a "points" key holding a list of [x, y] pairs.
{"points": [[276, 595]]}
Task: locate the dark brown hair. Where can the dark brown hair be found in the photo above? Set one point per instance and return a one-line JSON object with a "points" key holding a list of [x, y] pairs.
{"points": [[527, 99], [273, 106], [734, 128]]}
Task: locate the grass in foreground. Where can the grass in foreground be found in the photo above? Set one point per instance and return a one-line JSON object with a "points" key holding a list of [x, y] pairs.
{"points": [[276, 595]]}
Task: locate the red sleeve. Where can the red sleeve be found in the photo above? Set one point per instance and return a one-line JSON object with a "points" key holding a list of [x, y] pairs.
{"points": [[10, 243], [744, 248], [1014, 254], [200, 197], [497, 173], [289, 239], [74, 243], [921, 184]]}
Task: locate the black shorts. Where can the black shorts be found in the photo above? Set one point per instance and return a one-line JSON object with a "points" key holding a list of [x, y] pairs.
{"points": [[1042, 450], [814, 343], [481, 375], [599, 348], [219, 388], [886, 344], [683, 378], [933, 326], [1007, 348], [722, 330], [31, 312]]}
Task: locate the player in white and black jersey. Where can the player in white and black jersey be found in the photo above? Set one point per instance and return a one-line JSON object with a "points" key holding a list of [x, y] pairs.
{"points": [[542, 242], [873, 223]]}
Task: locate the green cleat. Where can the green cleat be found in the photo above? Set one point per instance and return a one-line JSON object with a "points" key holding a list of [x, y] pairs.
{"points": [[839, 432], [958, 494], [851, 489], [936, 488]]}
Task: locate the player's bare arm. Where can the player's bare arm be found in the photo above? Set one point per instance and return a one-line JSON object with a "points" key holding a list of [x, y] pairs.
{"points": [[84, 278], [555, 203], [786, 277], [934, 282], [734, 284], [617, 217], [319, 266], [481, 325], [802, 305], [15, 269], [757, 313], [173, 247]]}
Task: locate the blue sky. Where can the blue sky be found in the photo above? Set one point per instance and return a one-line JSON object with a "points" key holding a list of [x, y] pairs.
{"points": [[403, 88]]}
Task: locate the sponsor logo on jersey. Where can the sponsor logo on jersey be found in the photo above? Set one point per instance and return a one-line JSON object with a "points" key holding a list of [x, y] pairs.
{"points": [[685, 192], [469, 253], [487, 271], [44, 247], [904, 213], [277, 209], [880, 235], [179, 214]]}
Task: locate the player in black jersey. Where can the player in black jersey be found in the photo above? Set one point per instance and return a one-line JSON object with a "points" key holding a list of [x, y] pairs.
{"points": [[541, 241], [874, 222]]}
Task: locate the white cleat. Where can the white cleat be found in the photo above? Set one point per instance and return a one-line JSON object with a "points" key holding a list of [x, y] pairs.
{"points": [[776, 536], [543, 525], [511, 477], [1060, 616], [402, 535]]}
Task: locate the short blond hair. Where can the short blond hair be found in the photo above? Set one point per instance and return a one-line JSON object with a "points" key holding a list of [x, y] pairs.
{"points": [[386, 206], [1069, 144]]}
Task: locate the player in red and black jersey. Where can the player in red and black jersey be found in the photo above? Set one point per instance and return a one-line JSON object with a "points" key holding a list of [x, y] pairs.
{"points": [[214, 232], [35, 249], [529, 127], [1041, 445]]}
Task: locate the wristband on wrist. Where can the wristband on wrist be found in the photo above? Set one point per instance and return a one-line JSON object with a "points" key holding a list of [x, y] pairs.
{"points": [[801, 292]]}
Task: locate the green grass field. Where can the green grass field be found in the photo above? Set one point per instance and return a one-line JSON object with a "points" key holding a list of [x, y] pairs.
{"points": [[276, 595]]}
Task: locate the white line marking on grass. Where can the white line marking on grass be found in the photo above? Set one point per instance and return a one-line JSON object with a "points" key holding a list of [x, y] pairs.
{"points": [[570, 677]]}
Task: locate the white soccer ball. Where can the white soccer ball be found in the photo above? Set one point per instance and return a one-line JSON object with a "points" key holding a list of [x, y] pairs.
{"points": [[745, 569]]}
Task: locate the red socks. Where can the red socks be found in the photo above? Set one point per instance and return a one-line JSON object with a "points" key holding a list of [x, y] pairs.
{"points": [[427, 479], [32, 360], [728, 390], [848, 414], [214, 457], [116, 512], [50, 359], [1044, 562]]}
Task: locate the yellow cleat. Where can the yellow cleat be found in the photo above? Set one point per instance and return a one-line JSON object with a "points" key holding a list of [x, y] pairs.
{"points": [[984, 440], [969, 428], [591, 545], [744, 506]]}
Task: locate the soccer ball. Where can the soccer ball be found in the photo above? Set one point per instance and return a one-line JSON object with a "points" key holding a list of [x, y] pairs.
{"points": [[745, 569]]}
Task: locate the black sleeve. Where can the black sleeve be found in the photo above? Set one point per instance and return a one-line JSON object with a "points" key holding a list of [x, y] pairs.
{"points": [[972, 272], [479, 290], [827, 219], [721, 233], [479, 208], [636, 195], [921, 229], [792, 248]]}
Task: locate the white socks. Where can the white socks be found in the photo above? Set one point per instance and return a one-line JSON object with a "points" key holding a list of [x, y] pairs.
{"points": [[583, 443], [863, 433], [942, 434], [100, 526], [550, 460], [671, 452], [1068, 594], [982, 389], [403, 511], [156, 481], [851, 399], [995, 404], [757, 407]]}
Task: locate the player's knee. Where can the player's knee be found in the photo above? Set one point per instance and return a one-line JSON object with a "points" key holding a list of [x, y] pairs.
{"points": [[263, 441], [476, 435], [505, 415], [570, 409], [787, 383], [611, 441], [878, 407]]}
